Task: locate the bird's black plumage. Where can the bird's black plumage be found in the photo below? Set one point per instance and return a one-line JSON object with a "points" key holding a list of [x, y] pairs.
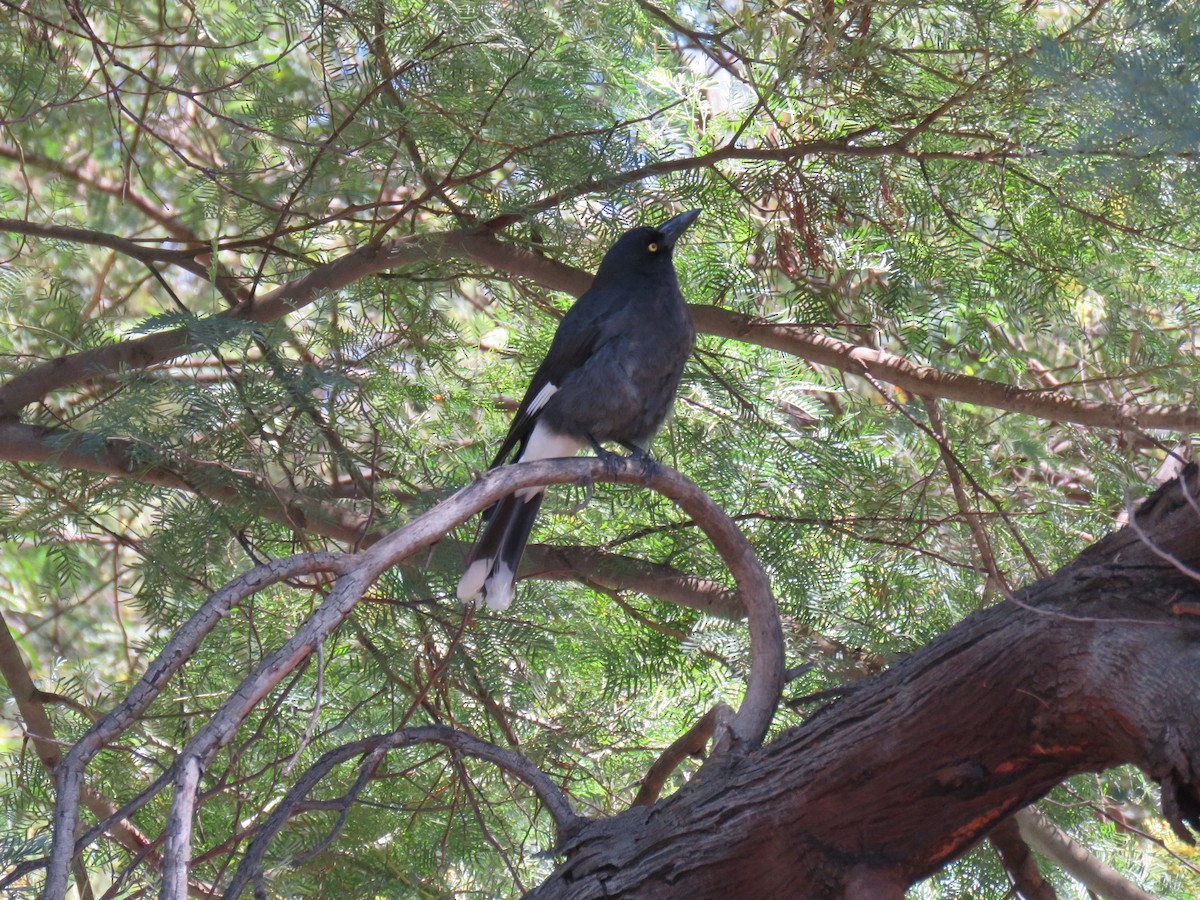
{"points": [[610, 375]]}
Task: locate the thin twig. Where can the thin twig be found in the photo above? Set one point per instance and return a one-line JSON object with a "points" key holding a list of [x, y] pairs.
{"points": [[374, 748], [306, 738], [982, 542], [1153, 547]]}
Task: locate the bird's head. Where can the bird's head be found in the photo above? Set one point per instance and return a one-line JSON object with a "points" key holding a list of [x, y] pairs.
{"points": [[646, 248]]}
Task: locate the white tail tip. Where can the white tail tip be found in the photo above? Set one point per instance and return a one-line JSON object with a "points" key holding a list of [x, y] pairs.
{"points": [[482, 586], [499, 589], [470, 586]]}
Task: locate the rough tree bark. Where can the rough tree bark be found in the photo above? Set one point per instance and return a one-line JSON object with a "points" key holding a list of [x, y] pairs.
{"points": [[1092, 667]]}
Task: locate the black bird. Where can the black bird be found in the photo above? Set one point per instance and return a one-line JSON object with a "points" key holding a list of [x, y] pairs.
{"points": [[610, 375]]}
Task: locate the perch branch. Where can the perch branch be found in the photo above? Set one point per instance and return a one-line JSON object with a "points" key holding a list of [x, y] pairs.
{"points": [[111, 456], [746, 728]]}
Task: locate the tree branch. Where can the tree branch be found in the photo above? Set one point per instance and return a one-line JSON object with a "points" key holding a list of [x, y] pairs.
{"points": [[1086, 669], [40, 731], [122, 190], [566, 821], [216, 481], [746, 728], [616, 572], [928, 381], [1049, 840], [76, 368], [822, 349], [143, 253], [69, 772], [481, 245], [1018, 861], [691, 743], [970, 515]]}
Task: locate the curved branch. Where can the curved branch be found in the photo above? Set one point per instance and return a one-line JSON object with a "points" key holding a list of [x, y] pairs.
{"points": [[566, 821], [218, 482], [178, 650], [1092, 667], [746, 730]]}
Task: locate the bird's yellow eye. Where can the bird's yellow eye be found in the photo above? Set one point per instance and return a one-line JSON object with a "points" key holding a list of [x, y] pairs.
{"points": [[653, 248]]}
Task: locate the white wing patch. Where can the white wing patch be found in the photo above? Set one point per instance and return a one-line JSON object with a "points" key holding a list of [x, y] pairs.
{"points": [[542, 398]]}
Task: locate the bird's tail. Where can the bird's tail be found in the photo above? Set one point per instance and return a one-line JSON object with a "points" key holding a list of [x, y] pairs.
{"points": [[491, 573]]}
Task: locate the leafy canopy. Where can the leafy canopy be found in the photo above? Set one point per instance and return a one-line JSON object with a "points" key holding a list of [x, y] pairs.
{"points": [[1005, 191]]}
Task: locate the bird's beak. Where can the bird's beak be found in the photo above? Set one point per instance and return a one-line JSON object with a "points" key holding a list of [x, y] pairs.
{"points": [[673, 228]]}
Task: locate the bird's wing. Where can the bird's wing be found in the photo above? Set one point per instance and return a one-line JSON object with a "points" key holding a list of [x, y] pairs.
{"points": [[579, 334]]}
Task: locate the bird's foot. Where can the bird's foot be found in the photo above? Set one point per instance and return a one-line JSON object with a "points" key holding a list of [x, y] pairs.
{"points": [[636, 453], [601, 453], [612, 461], [641, 455]]}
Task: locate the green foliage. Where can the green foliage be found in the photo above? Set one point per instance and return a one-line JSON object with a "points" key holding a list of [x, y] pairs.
{"points": [[999, 190]]}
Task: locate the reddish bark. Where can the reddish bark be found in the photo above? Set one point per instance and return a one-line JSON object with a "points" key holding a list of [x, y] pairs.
{"points": [[1095, 666]]}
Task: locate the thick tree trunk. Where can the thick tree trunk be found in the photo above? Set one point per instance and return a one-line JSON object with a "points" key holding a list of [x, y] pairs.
{"points": [[1095, 666]]}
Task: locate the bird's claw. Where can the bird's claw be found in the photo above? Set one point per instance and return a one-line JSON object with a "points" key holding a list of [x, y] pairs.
{"points": [[612, 461], [649, 468], [642, 456], [637, 454]]}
